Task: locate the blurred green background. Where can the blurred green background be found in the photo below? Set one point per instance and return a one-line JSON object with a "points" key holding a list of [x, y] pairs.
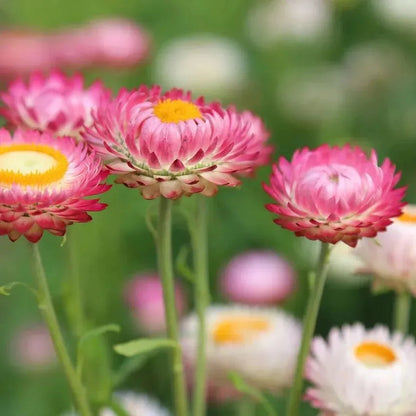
{"points": [[377, 110]]}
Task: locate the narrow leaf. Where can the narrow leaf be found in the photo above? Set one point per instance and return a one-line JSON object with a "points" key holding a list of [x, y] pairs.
{"points": [[99, 331], [144, 345]]}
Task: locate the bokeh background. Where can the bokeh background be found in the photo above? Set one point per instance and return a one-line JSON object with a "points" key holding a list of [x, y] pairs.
{"points": [[332, 71]]}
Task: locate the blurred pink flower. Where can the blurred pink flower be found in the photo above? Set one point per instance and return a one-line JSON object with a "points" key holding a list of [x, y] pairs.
{"points": [[32, 348], [57, 104], [259, 277], [170, 145], [110, 42], [144, 295], [334, 194]]}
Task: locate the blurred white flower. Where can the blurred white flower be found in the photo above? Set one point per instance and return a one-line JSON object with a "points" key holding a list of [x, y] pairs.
{"points": [[206, 64], [391, 257], [260, 344], [289, 20], [373, 67], [400, 14], [313, 96]]}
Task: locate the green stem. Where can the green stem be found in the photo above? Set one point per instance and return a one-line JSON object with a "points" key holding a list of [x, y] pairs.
{"points": [[164, 248], [49, 315], [402, 306], [199, 239], [309, 323]]}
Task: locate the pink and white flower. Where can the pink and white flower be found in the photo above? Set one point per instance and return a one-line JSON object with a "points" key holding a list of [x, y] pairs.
{"points": [[360, 372], [334, 194], [391, 259], [169, 145], [144, 295], [56, 104], [44, 183], [258, 277]]}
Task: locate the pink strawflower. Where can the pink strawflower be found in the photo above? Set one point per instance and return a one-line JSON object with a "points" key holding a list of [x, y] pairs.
{"points": [[258, 277], [44, 183], [31, 348], [169, 145], [144, 295], [334, 194], [55, 104]]}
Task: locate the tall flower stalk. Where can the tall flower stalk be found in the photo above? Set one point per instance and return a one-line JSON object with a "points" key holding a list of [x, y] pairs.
{"points": [[309, 324], [164, 249], [199, 239], [46, 308], [401, 315]]}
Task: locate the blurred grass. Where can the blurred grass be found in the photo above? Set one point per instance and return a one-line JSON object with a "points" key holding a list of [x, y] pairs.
{"points": [[117, 244]]}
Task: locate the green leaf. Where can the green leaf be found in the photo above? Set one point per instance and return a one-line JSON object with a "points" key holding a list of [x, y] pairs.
{"points": [[239, 383], [144, 345], [129, 366], [98, 331], [182, 265]]}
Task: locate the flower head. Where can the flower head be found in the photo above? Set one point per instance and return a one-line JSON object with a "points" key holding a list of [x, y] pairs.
{"points": [[169, 145], [392, 258], [56, 104], [44, 182], [360, 372], [334, 194], [144, 295], [260, 344], [258, 278]]}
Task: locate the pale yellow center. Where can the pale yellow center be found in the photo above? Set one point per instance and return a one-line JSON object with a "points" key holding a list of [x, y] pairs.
{"points": [[239, 329], [30, 164], [373, 354], [408, 217], [174, 111]]}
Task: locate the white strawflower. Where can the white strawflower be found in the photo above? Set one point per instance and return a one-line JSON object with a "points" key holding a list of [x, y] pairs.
{"points": [[260, 344], [313, 96], [360, 372], [400, 14], [391, 257], [289, 20], [206, 64]]}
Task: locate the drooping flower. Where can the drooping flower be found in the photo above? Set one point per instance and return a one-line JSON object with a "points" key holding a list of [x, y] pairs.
{"points": [[169, 145], [56, 104], [334, 194], [360, 372], [391, 259], [206, 64], [144, 294], [258, 277], [44, 183], [260, 344]]}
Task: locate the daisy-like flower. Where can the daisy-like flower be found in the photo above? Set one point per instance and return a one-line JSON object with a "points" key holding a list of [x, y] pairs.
{"points": [[260, 344], [44, 182], [56, 104], [360, 372], [334, 194], [169, 145], [391, 259]]}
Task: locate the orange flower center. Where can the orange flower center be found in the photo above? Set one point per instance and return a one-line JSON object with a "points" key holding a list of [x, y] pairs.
{"points": [[239, 329], [408, 217], [373, 354], [30, 164], [174, 111]]}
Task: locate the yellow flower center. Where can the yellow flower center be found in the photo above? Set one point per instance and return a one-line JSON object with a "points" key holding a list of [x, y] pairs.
{"points": [[239, 329], [407, 217], [174, 111], [373, 354], [30, 164]]}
